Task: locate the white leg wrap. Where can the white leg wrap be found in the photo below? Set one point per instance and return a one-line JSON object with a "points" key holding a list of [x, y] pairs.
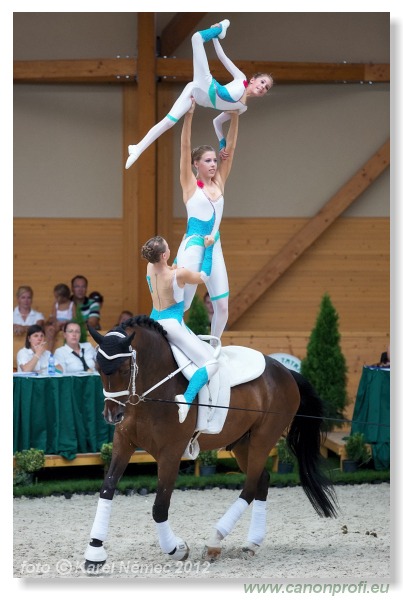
{"points": [[95, 554], [166, 537], [100, 526], [257, 528], [215, 539], [226, 524]]}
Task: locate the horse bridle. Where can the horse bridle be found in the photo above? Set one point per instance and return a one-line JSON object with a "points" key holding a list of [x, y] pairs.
{"points": [[131, 393], [133, 373]]}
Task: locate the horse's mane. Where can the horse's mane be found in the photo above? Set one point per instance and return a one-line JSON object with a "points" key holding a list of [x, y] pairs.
{"points": [[144, 321]]}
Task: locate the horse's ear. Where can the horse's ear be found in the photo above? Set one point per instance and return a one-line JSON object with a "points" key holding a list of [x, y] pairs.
{"points": [[131, 337], [95, 334]]}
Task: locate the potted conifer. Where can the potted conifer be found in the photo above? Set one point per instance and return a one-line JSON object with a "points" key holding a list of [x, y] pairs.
{"points": [[198, 320], [286, 458], [208, 462], [325, 365], [357, 452]]}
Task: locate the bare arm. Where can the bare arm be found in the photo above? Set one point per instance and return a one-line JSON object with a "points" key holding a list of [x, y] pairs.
{"points": [[187, 178], [52, 316], [184, 276], [226, 165]]}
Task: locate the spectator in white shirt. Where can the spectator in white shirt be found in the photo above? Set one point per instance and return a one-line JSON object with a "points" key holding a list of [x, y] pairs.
{"points": [[34, 357], [74, 357], [24, 315]]}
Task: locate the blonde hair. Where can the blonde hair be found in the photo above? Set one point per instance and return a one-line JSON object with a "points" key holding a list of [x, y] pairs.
{"points": [[198, 152], [24, 288]]}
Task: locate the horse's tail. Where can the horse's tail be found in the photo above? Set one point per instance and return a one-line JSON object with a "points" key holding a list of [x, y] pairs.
{"points": [[304, 439]]}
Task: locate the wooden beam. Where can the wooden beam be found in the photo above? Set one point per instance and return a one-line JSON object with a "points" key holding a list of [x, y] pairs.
{"points": [[146, 167], [103, 70], [282, 72], [124, 70], [177, 31], [308, 234]]}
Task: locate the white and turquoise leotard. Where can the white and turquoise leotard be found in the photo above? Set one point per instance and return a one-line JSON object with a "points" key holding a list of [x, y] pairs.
{"points": [[204, 218], [205, 90], [199, 352]]}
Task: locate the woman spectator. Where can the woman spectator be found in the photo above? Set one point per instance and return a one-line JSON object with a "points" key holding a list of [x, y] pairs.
{"points": [[24, 315], [34, 357], [74, 357]]}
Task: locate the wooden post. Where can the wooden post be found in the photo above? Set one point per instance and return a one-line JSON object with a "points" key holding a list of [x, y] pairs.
{"points": [[165, 169], [139, 189], [130, 237]]}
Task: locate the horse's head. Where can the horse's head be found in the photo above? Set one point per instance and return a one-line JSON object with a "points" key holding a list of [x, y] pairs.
{"points": [[116, 362]]}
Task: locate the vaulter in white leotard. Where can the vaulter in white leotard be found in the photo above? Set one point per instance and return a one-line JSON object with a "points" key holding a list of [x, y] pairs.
{"points": [[204, 219], [167, 287], [204, 201], [207, 91]]}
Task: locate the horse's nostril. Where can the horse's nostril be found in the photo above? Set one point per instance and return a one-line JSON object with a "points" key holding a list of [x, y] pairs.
{"points": [[118, 417]]}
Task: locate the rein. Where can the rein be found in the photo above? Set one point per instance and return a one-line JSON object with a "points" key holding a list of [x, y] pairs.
{"points": [[142, 397]]}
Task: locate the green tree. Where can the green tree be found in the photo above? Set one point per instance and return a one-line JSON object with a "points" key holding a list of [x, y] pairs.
{"points": [[198, 320], [325, 366]]}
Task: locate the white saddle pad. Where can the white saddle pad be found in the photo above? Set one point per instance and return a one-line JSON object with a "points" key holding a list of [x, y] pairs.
{"points": [[237, 365]]}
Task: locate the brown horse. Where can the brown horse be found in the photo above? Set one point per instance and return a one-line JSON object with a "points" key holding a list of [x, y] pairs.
{"points": [[132, 361]]}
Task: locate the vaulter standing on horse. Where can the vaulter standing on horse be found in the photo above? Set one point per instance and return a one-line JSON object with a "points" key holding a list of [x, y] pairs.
{"points": [[203, 196]]}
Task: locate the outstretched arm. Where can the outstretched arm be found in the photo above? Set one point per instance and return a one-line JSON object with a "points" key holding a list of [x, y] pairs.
{"points": [[187, 177], [226, 165], [219, 121]]}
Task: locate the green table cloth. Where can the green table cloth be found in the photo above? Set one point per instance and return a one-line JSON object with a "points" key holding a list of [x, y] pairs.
{"points": [[60, 415], [372, 413]]}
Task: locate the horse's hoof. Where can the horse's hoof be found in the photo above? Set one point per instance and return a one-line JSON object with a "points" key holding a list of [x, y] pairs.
{"points": [[92, 567], [251, 549], [95, 558], [181, 551], [211, 554]]}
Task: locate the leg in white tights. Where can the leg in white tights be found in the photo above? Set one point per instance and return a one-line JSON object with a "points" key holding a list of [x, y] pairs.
{"points": [[201, 79], [220, 316]]}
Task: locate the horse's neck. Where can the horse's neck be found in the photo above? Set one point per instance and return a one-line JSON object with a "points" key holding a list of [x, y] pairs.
{"points": [[153, 356]]}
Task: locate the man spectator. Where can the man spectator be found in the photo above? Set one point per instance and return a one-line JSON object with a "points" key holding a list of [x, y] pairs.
{"points": [[89, 307]]}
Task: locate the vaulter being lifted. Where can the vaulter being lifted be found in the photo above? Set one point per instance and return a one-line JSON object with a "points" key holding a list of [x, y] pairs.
{"points": [[207, 91]]}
